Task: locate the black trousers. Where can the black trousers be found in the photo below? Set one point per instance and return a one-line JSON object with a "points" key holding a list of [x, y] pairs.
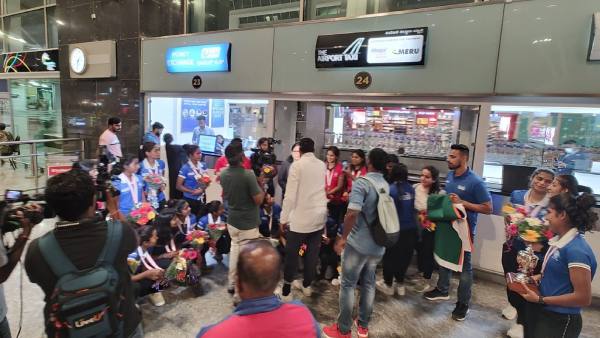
{"points": [[541, 323], [337, 211], [328, 257], [425, 260], [311, 255], [397, 258], [197, 207]]}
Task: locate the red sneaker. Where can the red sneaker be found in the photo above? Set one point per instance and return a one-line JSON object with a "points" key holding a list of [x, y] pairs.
{"points": [[333, 331], [363, 332]]}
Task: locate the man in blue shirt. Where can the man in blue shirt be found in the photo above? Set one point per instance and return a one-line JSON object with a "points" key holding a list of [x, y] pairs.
{"points": [[466, 188], [154, 135], [360, 252]]}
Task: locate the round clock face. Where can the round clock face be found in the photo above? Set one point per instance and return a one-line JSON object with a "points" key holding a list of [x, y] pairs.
{"points": [[78, 61]]}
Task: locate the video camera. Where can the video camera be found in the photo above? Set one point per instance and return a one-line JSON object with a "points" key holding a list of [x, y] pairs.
{"points": [[15, 201], [266, 157], [109, 168]]}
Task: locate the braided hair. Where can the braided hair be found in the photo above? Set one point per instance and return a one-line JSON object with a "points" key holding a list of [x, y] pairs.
{"points": [[579, 209]]}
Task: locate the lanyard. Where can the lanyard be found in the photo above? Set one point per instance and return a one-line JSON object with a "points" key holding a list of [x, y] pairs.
{"points": [[171, 246], [197, 170], [357, 173], [132, 186], [211, 219], [329, 176], [147, 260], [152, 169], [188, 223]]}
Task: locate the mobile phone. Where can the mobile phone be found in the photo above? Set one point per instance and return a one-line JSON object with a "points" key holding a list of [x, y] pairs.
{"points": [[13, 195], [345, 165]]}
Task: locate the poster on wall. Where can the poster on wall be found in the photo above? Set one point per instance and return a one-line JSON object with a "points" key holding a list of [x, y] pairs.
{"points": [[217, 116], [398, 47], [190, 110]]}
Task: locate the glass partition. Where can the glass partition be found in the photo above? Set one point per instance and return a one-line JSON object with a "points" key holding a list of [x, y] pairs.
{"points": [[222, 118], [566, 139]]}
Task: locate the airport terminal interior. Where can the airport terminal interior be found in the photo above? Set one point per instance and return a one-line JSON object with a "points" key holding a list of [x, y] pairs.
{"points": [[478, 119]]}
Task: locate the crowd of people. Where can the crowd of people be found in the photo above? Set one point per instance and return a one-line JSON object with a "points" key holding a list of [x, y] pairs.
{"points": [[326, 222]]}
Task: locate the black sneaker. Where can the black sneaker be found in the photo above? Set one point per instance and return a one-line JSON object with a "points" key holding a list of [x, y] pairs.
{"points": [[231, 290], [460, 312], [436, 294]]}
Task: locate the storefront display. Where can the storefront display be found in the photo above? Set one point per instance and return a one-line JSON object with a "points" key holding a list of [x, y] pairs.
{"points": [[425, 132]]}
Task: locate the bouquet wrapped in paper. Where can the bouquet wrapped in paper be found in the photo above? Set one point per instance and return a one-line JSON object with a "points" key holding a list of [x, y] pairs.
{"points": [[155, 183], [197, 238], [425, 222], [142, 214], [518, 222], [215, 231], [182, 270]]}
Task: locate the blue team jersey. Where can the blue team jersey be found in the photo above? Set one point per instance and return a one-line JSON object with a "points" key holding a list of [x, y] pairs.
{"points": [[126, 201], [151, 137], [405, 204], [568, 252], [159, 169], [203, 221], [189, 179], [471, 188]]}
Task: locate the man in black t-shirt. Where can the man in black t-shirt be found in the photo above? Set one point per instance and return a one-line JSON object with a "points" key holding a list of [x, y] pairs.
{"points": [[82, 237]]}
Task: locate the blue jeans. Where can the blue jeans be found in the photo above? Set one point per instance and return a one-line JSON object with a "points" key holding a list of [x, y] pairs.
{"points": [[466, 280], [356, 266]]}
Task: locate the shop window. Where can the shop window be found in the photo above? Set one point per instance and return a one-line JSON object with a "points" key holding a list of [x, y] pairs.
{"points": [[228, 118], [411, 131], [53, 23], [211, 15], [566, 139], [25, 31], [322, 9], [12, 6]]}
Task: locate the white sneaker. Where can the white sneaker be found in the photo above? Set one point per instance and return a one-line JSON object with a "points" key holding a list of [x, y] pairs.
{"points": [[306, 291], [336, 281], [384, 288], [401, 290], [516, 331], [509, 312], [157, 299]]}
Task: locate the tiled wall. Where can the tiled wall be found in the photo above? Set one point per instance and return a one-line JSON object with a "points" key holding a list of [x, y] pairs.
{"points": [[93, 101]]}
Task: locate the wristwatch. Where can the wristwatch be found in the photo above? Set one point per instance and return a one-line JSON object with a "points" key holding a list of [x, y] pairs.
{"points": [[541, 300]]}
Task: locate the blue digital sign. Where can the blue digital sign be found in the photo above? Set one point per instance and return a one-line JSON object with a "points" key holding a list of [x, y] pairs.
{"points": [[203, 58]]}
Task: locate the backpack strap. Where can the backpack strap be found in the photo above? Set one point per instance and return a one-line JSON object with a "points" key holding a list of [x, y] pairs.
{"points": [[54, 255], [114, 233]]}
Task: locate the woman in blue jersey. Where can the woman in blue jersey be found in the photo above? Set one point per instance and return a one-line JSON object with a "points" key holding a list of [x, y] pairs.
{"points": [[190, 179], [130, 185], [565, 282], [153, 165]]}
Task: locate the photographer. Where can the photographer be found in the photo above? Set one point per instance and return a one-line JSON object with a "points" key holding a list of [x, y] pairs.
{"points": [[8, 260], [263, 156], [79, 243]]}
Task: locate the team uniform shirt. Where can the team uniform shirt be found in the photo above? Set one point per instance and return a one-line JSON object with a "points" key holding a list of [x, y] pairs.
{"points": [[570, 251], [189, 173], [112, 143], [205, 220], [151, 137], [331, 181], [471, 188], [404, 199], [266, 317], [131, 192], [158, 169], [356, 174], [538, 209]]}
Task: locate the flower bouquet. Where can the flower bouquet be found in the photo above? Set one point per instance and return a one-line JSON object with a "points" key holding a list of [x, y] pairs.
{"points": [[269, 171], [154, 183], [196, 238], [182, 270], [204, 179], [215, 231], [519, 223], [425, 222], [142, 214]]}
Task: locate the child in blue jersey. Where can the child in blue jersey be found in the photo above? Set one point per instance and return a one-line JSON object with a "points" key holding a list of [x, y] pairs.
{"points": [[153, 165], [190, 179], [397, 258], [565, 283], [130, 186], [146, 271]]}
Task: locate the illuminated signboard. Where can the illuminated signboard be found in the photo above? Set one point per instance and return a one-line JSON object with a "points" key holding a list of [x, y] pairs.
{"points": [[399, 47], [202, 58]]}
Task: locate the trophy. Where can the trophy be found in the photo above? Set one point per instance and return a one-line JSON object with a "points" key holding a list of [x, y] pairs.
{"points": [[527, 261]]}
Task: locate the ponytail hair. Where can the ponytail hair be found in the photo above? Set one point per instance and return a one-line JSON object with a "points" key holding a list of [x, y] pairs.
{"points": [[579, 209]]}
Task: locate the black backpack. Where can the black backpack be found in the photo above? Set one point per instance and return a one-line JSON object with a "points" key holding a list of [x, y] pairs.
{"points": [[85, 303]]}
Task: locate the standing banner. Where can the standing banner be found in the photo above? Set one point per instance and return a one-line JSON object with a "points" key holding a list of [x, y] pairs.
{"points": [[217, 116]]}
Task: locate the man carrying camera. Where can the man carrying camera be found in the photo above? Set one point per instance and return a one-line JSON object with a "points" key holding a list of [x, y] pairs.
{"points": [[82, 264], [263, 160], [8, 260]]}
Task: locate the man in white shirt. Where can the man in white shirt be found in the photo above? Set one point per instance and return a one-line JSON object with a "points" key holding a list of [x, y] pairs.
{"points": [[305, 210], [109, 137]]}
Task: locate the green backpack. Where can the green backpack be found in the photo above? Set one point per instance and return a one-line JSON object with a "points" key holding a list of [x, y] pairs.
{"points": [[85, 303]]}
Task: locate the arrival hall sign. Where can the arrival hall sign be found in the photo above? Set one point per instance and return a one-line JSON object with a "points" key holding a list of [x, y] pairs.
{"points": [[400, 47]]}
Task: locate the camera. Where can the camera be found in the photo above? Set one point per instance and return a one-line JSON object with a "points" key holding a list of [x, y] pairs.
{"points": [[15, 201], [109, 168], [266, 157]]}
